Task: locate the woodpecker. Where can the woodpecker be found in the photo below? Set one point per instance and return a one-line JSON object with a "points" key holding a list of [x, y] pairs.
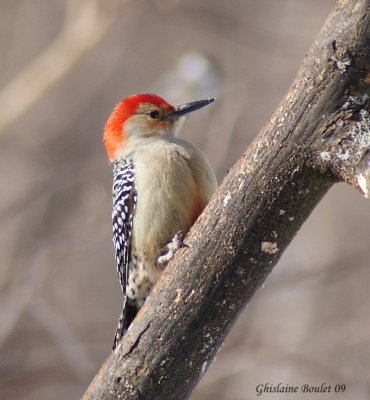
{"points": [[161, 184]]}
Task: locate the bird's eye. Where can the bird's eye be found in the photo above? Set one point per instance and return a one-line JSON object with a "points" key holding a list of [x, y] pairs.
{"points": [[153, 114]]}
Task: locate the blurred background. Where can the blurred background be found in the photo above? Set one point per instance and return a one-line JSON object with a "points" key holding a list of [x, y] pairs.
{"points": [[64, 65]]}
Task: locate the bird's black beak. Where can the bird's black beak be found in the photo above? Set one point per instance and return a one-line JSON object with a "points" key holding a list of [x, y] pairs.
{"points": [[190, 107]]}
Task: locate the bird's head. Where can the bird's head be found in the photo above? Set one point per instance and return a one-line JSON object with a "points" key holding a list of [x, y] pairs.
{"points": [[141, 116]]}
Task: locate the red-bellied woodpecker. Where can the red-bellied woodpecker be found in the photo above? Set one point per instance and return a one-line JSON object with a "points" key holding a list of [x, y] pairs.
{"points": [[161, 184]]}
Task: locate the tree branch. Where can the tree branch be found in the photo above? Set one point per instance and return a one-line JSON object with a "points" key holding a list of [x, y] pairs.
{"points": [[318, 135], [83, 26]]}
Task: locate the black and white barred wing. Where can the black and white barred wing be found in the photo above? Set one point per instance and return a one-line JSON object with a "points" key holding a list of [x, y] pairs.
{"points": [[124, 199]]}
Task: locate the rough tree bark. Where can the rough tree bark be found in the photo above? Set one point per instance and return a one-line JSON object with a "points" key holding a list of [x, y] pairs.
{"points": [[320, 134]]}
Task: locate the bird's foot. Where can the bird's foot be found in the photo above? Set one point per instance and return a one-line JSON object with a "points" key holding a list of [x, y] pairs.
{"points": [[171, 248]]}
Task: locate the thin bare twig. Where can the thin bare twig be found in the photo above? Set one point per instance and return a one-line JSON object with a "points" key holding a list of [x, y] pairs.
{"points": [[83, 27]]}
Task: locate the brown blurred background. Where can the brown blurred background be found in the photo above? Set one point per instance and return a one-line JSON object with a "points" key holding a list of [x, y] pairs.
{"points": [[64, 65]]}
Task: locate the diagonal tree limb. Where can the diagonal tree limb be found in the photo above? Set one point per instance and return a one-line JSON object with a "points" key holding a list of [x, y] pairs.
{"points": [[318, 135]]}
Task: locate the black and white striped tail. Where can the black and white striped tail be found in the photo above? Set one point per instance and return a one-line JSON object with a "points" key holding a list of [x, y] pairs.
{"points": [[127, 316]]}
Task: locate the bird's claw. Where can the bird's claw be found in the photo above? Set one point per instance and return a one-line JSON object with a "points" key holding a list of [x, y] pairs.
{"points": [[171, 248]]}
